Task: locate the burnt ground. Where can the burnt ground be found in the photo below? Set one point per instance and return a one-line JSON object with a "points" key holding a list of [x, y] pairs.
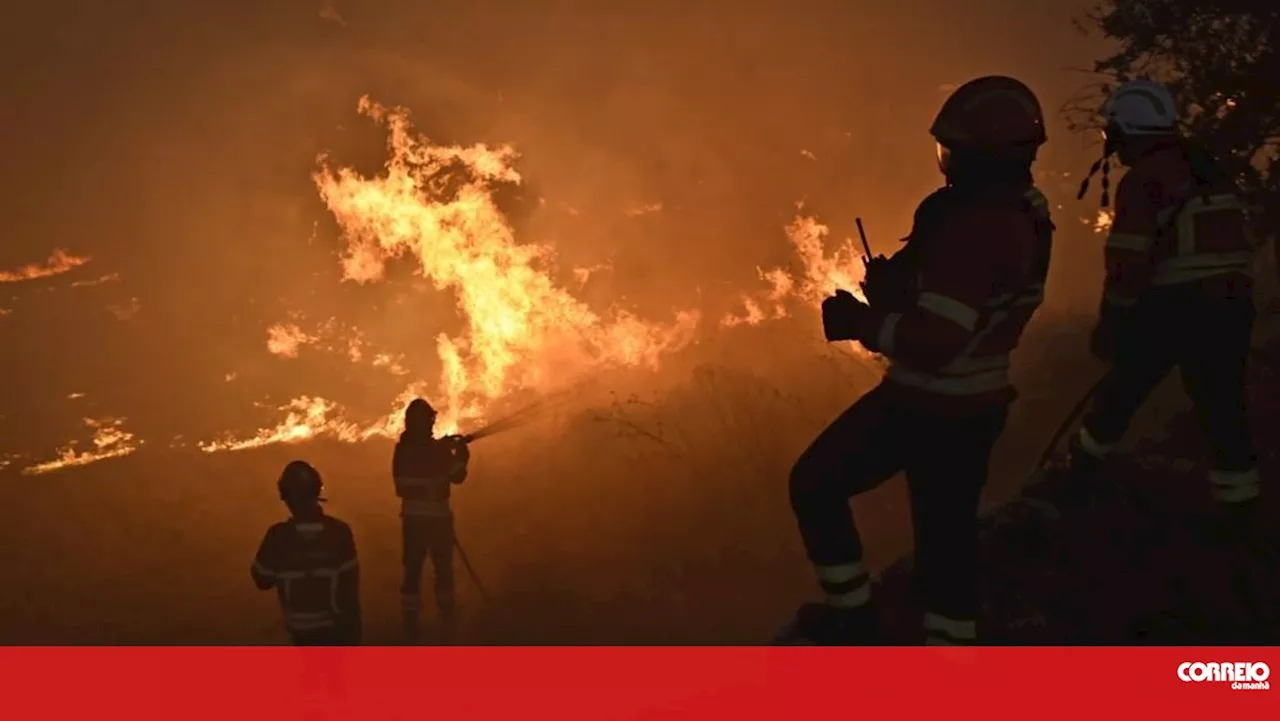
{"points": [[1138, 566]]}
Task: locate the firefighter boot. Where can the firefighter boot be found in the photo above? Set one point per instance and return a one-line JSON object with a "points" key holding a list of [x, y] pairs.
{"points": [[818, 624]]}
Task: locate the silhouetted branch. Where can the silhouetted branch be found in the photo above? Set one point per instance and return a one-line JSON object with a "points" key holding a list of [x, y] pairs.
{"points": [[1220, 59]]}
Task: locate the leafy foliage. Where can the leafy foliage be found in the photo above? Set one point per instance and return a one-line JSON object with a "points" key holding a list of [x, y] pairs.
{"points": [[1221, 60]]}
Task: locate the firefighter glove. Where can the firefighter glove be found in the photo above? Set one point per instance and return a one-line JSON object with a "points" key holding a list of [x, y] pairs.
{"points": [[459, 446], [844, 317]]}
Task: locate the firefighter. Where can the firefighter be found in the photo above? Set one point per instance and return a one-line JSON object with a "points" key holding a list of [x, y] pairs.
{"points": [[310, 560], [1178, 292], [947, 310], [425, 469]]}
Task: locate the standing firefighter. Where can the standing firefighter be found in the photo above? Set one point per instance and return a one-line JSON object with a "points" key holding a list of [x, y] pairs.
{"points": [[310, 560], [1178, 292], [425, 468], [947, 311]]}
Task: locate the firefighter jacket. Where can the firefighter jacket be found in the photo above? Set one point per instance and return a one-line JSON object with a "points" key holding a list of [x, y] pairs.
{"points": [[425, 469], [312, 565], [977, 261], [1172, 227]]}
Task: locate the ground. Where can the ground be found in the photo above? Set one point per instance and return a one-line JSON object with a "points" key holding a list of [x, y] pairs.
{"points": [[641, 522]]}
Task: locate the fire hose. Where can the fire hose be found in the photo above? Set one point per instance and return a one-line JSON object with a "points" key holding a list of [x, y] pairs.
{"points": [[1256, 354], [516, 419], [471, 571], [513, 420], [1064, 428]]}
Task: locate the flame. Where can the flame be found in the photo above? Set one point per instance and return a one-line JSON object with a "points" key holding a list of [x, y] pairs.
{"points": [[306, 418], [823, 274], [309, 417], [820, 274], [355, 350], [59, 262], [110, 440], [434, 206], [752, 314], [1102, 223], [285, 339], [392, 364]]}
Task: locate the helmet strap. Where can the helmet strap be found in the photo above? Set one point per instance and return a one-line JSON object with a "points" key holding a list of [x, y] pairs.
{"points": [[1103, 164], [1106, 181]]}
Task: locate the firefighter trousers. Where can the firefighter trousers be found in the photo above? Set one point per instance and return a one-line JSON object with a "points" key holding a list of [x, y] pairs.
{"points": [[429, 537], [946, 460], [1208, 340]]}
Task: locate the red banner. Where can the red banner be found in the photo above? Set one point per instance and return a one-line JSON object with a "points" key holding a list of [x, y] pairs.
{"points": [[233, 684]]}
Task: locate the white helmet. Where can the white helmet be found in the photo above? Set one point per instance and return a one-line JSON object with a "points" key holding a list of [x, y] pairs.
{"points": [[1141, 107]]}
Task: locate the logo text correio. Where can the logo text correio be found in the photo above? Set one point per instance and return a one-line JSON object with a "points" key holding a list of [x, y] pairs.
{"points": [[1241, 676]]}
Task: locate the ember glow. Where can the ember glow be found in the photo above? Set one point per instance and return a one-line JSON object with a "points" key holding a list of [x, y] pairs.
{"points": [[100, 280], [59, 262], [1102, 223], [644, 209], [110, 440]]}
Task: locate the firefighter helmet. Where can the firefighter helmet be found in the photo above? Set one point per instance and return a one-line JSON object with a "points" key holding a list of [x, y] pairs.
{"points": [[419, 415], [991, 113], [1140, 107], [300, 482]]}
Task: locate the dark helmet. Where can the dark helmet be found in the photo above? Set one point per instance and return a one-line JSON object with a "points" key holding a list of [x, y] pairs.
{"points": [[299, 483], [993, 114], [419, 415]]}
